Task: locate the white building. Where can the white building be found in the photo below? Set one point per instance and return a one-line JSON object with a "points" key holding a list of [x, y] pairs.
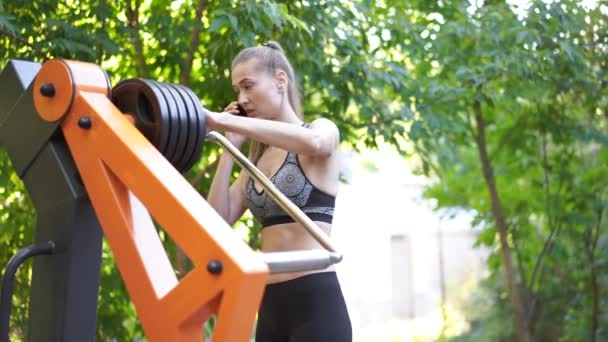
{"points": [[391, 274]]}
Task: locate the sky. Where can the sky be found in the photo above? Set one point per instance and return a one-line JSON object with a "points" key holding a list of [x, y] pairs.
{"points": [[523, 4]]}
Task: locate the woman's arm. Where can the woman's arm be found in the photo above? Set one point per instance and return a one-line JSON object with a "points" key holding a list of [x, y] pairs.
{"points": [[320, 139], [227, 200]]}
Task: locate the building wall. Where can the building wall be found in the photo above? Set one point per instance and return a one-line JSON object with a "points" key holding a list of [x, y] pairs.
{"points": [[397, 250]]}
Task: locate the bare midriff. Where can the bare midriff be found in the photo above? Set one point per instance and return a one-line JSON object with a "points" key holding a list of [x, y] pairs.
{"points": [[291, 237]]}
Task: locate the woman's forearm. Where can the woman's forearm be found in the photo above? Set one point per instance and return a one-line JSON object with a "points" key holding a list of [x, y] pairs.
{"points": [[283, 135], [219, 192]]}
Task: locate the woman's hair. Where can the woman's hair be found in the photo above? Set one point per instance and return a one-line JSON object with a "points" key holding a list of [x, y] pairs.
{"points": [[271, 58]]}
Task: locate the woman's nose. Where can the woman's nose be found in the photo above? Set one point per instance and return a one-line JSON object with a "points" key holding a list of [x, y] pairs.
{"points": [[243, 98]]}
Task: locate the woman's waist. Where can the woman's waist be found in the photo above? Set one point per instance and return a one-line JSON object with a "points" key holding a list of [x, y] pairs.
{"points": [[291, 237]]}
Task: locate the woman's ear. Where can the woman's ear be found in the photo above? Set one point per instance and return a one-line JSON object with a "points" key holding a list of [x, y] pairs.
{"points": [[281, 80]]}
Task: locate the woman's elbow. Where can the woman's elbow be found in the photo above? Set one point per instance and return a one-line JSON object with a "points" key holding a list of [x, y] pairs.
{"points": [[321, 147]]}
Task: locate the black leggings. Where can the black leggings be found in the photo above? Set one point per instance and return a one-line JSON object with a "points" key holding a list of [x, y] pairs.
{"points": [[306, 309]]}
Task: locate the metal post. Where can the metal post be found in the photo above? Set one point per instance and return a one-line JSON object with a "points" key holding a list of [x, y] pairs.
{"points": [[64, 288]]}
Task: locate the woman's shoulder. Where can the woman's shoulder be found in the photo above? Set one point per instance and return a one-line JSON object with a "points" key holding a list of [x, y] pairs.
{"points": [[328, 133], [325, 125], [322, 122]]}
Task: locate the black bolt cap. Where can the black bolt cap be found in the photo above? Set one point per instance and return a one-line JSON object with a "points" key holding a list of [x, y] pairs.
{"points": [[47, 89], [84, 122], [214, 267]]}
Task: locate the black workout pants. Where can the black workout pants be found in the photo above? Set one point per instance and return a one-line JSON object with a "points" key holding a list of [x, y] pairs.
{"points": [[306, 309]]}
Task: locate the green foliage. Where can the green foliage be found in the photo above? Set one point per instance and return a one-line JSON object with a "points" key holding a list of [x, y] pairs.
{"points": [[18, 219], [165, 40], [540, 84], [489, 315], [415, 70]]}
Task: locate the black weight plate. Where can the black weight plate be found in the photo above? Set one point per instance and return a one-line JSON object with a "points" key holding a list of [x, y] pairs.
{"points": [[166, 113], [195, 124], [190, 111], [134, 96], [183, 125], [173, 119], [201, 129], [193, 128]]}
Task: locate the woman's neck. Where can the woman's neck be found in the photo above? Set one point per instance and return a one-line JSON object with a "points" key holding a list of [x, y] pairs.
{"points": [[288, 115]]}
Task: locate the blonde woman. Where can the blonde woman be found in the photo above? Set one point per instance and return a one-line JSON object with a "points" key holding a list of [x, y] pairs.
{"points": [[301, 160]]}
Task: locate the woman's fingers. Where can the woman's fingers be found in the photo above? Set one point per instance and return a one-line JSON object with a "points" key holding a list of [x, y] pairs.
{"points": [[232, 108]]}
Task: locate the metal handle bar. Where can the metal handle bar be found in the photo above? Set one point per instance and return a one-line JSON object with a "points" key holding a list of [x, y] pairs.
{"points": [[298, 261], [6, 296], [275, 193]]}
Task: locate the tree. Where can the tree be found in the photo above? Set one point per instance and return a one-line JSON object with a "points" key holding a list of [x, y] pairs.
{"points": [[193, 42], [506, 111], [508, 107]]}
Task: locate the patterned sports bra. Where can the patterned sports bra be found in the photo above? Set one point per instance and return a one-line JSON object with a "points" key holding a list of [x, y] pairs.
{"points": [[293, 183]]}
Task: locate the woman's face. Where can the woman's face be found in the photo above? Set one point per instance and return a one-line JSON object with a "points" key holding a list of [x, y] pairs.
{"points": [[258, 91]]}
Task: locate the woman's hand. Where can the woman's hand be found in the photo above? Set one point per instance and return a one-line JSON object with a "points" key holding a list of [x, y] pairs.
{"points": [[235, 138], [213, 119], [232, 108]]}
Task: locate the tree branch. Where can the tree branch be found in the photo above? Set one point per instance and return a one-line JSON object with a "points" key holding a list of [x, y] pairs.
{"points": [[23, 41], [517, 305], [546, 247], [540, 267], [100, 52], [194, 40], [591, 244], [520, 263], [133, 23], [552, 229]]}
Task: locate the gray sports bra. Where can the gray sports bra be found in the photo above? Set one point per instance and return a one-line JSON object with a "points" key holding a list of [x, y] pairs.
{"points": [[293, 183]]}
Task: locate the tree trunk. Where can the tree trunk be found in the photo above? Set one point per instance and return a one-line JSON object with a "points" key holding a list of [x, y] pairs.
{"points": [[133, 23], [100, 52], [595, 292], [521, 321], [591, 239], [194, 39]]}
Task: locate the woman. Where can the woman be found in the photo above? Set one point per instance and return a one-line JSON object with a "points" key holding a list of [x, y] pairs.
{"points": [[301, 160]]}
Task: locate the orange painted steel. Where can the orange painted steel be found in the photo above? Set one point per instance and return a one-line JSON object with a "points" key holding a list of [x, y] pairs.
{"points": [[127, 179], [66, 75]]}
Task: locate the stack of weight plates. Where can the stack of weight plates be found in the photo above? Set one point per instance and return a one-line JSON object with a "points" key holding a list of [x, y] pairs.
{"points": [[169, 115]]}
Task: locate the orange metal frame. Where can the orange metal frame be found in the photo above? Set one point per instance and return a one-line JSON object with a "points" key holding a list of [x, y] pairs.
{"points": [[127, 179]]}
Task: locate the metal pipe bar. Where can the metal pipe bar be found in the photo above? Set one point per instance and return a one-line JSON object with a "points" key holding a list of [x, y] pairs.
{"points": [[299, 261], [8, 280], [275, 193]]}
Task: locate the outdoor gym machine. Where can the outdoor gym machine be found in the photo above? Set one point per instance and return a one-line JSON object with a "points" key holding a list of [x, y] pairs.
{"points": [[100, 161]]}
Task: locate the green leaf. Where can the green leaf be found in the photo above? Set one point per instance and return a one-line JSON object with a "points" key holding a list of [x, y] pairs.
{"points": [[219, 23], [487, 237], [233, 22]]}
